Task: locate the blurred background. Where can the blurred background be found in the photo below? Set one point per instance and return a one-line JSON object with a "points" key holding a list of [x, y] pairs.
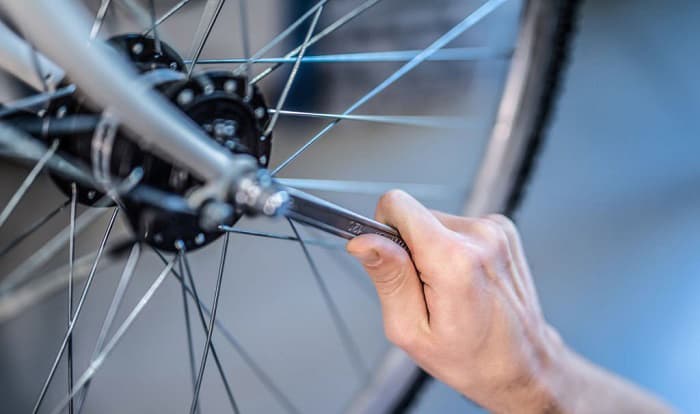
{"points": [[611, 223]]}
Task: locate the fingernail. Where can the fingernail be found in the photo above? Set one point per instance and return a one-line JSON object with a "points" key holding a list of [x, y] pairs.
{"points": [[369, 258]]}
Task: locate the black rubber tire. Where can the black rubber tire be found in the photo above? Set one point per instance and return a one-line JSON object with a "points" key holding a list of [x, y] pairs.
{"points": [[558, 41]]}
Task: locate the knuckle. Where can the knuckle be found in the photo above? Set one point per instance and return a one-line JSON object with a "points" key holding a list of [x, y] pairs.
{"points": [[494, 242], [460, 264], [391, 198], [504, 222]]}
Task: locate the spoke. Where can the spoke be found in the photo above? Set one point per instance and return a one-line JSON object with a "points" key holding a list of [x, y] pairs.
{"points": [[274, 42], [245, 38], [188, 327], [465, 54], [348, 267], [325, 32], [78, 308], [99, 18], [48, 250], [32, 228], [202, 310], [441, 42], [29, 102], [53, 246], [154, 26], [429, 191], [322, 243], [210, 330], [351, 348], [442, 122], [119, 293], [293, 74], [71, 262], [96, 363], [28, 181], [166, 16], [44, 286], [206, 24]]}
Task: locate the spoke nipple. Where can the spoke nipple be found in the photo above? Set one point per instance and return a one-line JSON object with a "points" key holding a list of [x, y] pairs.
{"points": [[230, 86], [137, 48], [180, 245], [185, 97]]}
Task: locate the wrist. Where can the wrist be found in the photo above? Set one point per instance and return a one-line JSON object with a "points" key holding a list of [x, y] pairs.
{"points": [[544, 389]]}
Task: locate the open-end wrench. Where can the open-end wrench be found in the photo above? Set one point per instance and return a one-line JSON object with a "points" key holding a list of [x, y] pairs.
{"points": [[331, 218]]}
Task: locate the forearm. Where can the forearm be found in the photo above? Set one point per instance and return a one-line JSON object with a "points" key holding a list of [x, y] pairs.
{"points": [[585, 388]]}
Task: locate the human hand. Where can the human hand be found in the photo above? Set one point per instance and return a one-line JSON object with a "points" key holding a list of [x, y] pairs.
{"points": [[464, 305]]}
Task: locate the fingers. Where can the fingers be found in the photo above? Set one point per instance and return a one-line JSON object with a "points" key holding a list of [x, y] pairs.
{"points": [[417, 226], [518, 253], [398, 286]]}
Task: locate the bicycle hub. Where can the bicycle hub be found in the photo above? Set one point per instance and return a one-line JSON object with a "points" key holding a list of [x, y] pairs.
{"points": [[230, 110]]}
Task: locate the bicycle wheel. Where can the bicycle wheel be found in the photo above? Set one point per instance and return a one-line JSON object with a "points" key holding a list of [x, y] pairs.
{"points": [[108, 143]]}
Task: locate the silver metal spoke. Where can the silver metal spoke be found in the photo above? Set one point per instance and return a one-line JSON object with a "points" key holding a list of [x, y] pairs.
{"points": [[119, 293], [28, 181], [210, 330], [322, 243], [49, 250], [154, 26], [32, 228], [203, 310], [71, 261], [425, 191], [486, 9], [99, 19], [53, 246], [47, 284], [244, 67], [351, 348], [166, 16], [96, 363], [188, 327], [206, 24], [76, 314], [200, 311], [33, 101], [466, 54], [440, 122], [325, 32], [245, 38], [293, 74]]}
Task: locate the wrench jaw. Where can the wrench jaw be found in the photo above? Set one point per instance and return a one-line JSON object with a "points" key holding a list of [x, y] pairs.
{"points": [[336, 220]]}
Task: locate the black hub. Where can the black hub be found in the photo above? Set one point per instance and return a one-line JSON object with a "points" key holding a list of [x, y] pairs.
{"points": [[231, 112]]}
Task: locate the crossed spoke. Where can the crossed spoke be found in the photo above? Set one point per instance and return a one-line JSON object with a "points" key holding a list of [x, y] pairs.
{"points": [[119, 293], [351, 348], [75, 316], [475, 17], [293, 74], [97, 362]]}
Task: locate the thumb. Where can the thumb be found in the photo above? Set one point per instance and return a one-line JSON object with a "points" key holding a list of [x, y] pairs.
{"points": [[398, 286]]}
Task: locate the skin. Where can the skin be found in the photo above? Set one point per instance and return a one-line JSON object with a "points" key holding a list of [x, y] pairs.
{"points": [[463, 305]]}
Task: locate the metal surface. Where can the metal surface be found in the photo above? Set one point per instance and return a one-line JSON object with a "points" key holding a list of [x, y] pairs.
{"points": [[111, 83], [334, 219], [18, 58], [502, 160]]}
